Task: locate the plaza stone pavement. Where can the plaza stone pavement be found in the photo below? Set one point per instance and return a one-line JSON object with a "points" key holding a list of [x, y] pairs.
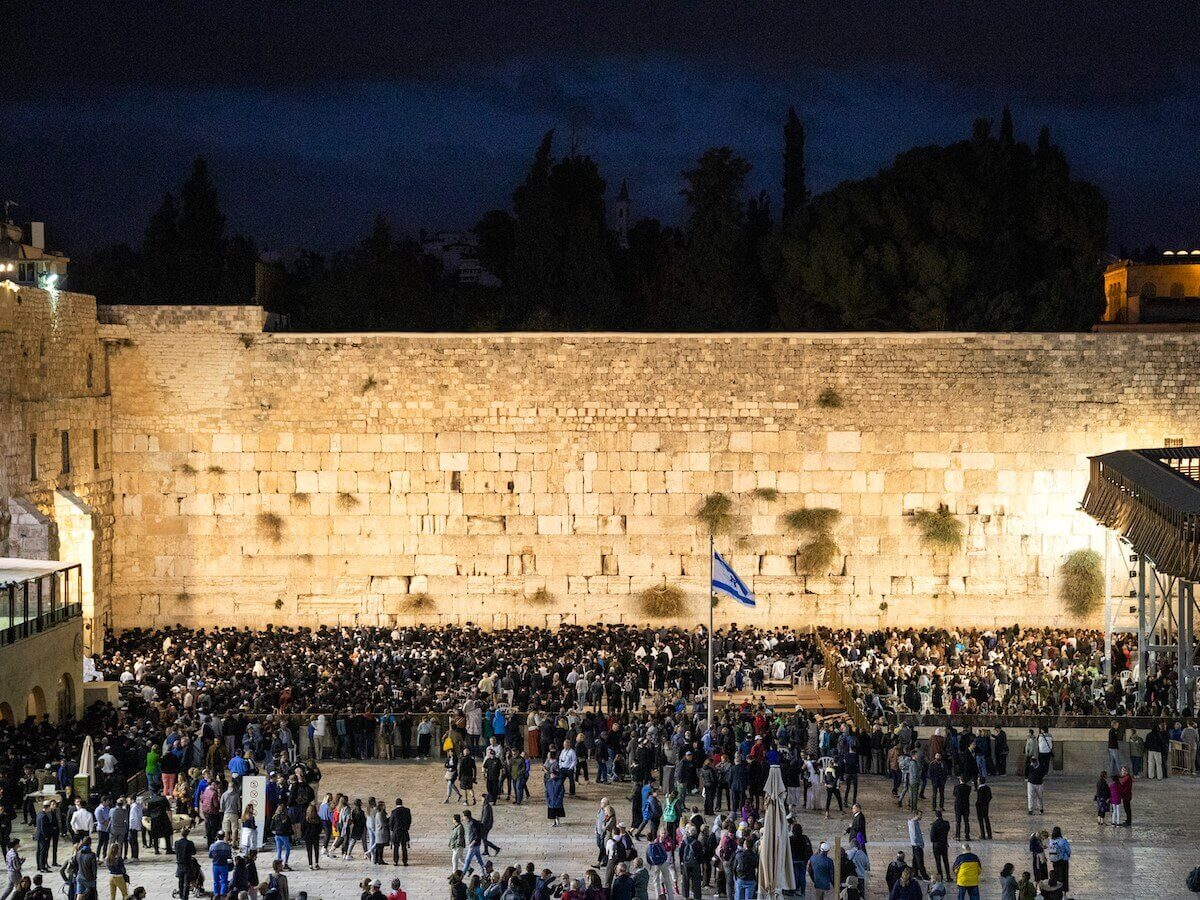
{"points": [[1151, 860]]}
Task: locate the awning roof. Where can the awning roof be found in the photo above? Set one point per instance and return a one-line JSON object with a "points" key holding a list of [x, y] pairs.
{"points": [[1152, 497], [13, 569]]}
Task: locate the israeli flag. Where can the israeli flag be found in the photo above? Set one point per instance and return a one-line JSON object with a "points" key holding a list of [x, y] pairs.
{"points": [[726, 581]]}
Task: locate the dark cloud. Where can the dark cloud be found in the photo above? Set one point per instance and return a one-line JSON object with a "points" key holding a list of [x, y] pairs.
{"points": [[1068, 51], [317, 115]]}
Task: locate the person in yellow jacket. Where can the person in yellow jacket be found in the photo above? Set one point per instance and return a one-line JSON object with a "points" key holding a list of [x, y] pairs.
{"points": [[967, 873]]}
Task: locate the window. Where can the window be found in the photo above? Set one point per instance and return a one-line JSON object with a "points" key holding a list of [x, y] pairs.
{"points": [[33, 466], [66, 451], [96, 449], [1173, 442], [89, 370]]}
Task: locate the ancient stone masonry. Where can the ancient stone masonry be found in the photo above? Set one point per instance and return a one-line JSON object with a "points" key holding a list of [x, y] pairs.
{"points": [[292, 478], [55, 472]]}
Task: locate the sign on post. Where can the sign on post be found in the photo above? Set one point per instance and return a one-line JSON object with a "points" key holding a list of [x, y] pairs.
{"points": [[254, 790]]}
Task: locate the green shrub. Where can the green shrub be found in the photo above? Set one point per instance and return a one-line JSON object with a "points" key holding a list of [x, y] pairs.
{"points": [[216, 470], [187, 469], [829, 399], [1081, 582], [769, 494], [540, 597], [816, 556], [270, 525], [420, 602], [716, 512], [347, 502], [664, 601], [940, 529], [817, 520]]}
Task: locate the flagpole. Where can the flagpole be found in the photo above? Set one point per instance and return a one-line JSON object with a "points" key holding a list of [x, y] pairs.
{"points": [[711, 605]]}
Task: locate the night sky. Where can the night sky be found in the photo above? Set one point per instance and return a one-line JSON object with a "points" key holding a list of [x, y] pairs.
{"points": [[314, 118]]}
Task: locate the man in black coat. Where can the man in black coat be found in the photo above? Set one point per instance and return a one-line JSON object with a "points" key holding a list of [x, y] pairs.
{"points": [[939, 839], [983, 805], [44, 830], [185, 854], [399, 825], [962, 808]]}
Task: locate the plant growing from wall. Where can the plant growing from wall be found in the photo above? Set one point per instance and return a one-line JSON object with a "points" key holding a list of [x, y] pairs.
{"points": [[540, 597], [769, 494], [716, 513], [216, 470], [940, 529], [370, 384], [812, 520], [663, 601], [816, 555], [1081, 582], [270, 526], [247, 340], [420, 602], [829, 399], [347, 501]]}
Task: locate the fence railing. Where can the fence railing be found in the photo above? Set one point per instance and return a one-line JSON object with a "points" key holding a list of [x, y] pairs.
{"points": [[835, 682], [32, 606]]}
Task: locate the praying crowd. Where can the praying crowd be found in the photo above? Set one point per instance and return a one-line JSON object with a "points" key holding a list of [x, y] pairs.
{"points": [[898, 673], [524, 716]]}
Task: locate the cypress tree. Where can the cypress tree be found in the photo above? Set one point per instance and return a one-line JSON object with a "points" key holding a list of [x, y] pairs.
{"points": [[795, 190]]}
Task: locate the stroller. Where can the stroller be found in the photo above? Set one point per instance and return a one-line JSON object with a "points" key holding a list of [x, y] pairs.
{"points": [[195, 879]]}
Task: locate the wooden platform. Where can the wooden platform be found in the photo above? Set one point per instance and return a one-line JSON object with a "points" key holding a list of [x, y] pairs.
{"points": [[808, 698]]}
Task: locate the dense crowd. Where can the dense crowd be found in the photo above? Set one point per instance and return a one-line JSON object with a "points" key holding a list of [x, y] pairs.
{"points": [[526, 714], [424, 669], [1005, 671]]}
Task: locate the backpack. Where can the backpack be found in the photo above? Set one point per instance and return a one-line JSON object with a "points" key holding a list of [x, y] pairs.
{"points": [[655, 854], [1193, 880], [691, 855]]}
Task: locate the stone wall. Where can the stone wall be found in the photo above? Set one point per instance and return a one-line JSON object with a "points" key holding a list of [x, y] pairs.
{"points": [[54, 380], [296, 478]]}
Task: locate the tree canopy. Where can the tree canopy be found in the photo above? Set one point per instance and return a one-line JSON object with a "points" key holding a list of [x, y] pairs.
{"points": [[986, 233]]}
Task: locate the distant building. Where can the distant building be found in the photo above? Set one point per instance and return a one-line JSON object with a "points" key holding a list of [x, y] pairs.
{"points": [[622, 216], [1161, 293], [30, 263], [458, 252]]}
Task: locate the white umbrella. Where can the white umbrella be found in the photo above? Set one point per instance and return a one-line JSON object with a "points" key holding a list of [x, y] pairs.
{"points": [[87, 760], [775, 873]]}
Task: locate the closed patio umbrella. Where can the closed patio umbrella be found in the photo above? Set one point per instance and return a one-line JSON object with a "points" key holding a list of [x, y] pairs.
{"points": [[87, 761], [775, 873]]}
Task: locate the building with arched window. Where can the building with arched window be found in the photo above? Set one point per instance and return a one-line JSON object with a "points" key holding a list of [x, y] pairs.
{"points": [[1158, 293]]}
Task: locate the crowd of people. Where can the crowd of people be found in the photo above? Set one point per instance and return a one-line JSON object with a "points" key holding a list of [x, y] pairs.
{"points": [[522, 716], [1013, 671]]}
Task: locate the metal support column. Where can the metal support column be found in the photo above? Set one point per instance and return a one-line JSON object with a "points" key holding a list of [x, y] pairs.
{"points": [[1142, 655]]}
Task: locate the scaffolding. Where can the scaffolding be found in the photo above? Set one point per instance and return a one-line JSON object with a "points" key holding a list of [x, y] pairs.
{"points": [[1150, 501]]}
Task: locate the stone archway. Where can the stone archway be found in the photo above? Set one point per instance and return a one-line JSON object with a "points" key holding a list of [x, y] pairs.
{"points": [[6, 714], [35, 703], [66, 697]]}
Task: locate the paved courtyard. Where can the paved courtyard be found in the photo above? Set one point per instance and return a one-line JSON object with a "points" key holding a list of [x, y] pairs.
{"points": [[1151, 860]]}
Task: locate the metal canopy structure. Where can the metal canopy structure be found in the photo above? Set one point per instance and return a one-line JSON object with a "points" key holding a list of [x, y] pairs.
{"points": [[1151, 499]]}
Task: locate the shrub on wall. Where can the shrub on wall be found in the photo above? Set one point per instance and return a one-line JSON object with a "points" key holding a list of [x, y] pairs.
{"points": [[347, 501], [421, 602], [270, 525], [829, 399], [540, 597], [940, 529], [716, 512], [766, 493], [1081, 582], [817, 520], [816, 556], [663, 601]]}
